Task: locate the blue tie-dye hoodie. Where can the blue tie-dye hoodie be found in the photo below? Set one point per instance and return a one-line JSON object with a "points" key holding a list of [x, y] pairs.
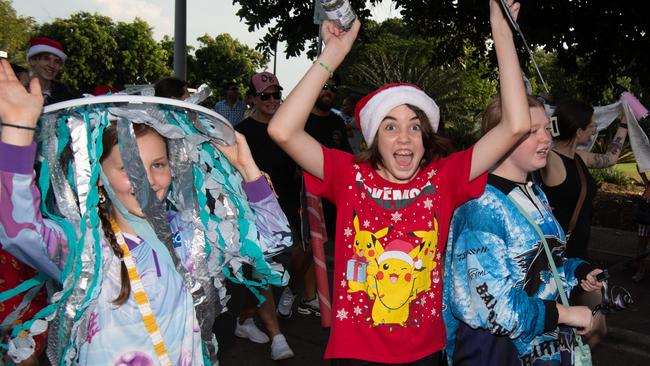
{"points": [[499, 296]]}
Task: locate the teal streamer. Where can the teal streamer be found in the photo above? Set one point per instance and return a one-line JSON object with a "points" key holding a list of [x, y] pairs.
{"points": [[23, 286]]}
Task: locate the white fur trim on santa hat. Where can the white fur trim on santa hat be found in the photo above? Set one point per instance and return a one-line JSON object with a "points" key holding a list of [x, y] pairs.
{"points": [[40, 48], [383, 102], [396, 254]]}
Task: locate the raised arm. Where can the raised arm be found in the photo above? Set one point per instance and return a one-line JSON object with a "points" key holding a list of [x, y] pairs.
{"points": [[271, 222], [609, 158], [515, 121], [23, 231], [287, 127]]}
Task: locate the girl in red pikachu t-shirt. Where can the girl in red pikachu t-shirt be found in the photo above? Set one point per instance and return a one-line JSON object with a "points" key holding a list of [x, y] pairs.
{"points": [[395, 200]]}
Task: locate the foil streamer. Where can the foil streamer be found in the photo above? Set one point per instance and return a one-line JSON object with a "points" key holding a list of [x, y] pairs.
{"points": [[80, 282], [220, 242], [152, 117], [183, 195], [155, 213], [63, 194], [201, 94]]}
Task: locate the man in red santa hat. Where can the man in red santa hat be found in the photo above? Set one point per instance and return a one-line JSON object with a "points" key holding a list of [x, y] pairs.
{"points": [[46, 58]]}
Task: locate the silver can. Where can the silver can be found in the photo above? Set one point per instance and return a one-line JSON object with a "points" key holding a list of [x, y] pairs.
{"points": [[340, 12]]}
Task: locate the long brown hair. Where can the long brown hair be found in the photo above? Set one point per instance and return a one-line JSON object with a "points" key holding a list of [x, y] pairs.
{"points": [[109, 141], [435, 146], [493, 113]]}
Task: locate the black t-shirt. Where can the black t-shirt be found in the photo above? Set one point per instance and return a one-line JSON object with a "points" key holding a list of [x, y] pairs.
{"points": [[563, 199], [329, 130], [277, 164], [58, 93]]}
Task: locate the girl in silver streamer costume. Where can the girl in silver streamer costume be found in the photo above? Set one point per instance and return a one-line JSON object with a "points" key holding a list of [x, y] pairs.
{"points": [[139, 311]]}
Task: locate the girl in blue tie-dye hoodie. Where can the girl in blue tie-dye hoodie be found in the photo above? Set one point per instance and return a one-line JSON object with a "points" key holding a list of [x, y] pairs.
{"points": [[501, 301]]}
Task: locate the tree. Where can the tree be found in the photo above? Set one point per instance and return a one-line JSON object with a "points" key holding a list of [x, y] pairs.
{"points": [[599, 42], [14, 32], [167, 44], [390, 54], [222, 59], [102, 52]]}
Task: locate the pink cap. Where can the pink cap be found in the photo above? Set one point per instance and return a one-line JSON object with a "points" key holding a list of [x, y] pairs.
{"points": [[263, 80], [637, 108]]}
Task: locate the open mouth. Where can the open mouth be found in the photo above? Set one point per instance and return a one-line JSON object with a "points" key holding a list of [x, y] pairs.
{"points": [[403, 158], [393, 278], [543, 153]]}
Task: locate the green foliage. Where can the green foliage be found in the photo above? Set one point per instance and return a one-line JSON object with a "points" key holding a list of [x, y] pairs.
{"points": [[103, 52], [612, 176], [222, 59], [388, 54], [14, 32], [597, 43]]}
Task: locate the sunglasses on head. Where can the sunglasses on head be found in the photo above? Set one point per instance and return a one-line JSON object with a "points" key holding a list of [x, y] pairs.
{"points": [[331, 87], [266, 96]]}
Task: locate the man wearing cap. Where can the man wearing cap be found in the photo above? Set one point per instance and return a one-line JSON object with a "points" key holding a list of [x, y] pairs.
{"points": [[326, 127], [231, 107], [46, 58], [266, 97]]}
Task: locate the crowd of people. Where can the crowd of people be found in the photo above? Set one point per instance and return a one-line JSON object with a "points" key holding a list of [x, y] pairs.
{"points": [[441, 257]]}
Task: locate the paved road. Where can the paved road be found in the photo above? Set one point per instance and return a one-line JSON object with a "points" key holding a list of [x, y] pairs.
{"points": [[628, 342]]}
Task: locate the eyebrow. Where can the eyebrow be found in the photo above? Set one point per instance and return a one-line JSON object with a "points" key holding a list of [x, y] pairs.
{"points": [[160, 158], [395, 119]]}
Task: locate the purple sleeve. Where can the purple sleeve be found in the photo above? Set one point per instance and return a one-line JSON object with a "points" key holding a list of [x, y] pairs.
{"points": [[257, 190], [271, 222], [23, 231]]}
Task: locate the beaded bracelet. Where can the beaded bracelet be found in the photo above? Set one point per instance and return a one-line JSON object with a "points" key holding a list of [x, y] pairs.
{"points": [[317, 61], [18, 126]]}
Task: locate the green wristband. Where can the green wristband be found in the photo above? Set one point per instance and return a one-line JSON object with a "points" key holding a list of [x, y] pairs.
{"points": [[319, 62]]}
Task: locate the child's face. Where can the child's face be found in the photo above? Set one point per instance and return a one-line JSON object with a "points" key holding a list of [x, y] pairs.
{"points": [[531, 153], [153, 152], [400, 145], [46, 65]]}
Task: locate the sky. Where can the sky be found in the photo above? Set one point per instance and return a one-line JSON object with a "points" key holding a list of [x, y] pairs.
{"points": [[203, 16]]}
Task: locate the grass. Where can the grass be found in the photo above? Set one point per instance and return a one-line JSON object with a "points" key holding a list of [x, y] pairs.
{"points": [[629, 169]]}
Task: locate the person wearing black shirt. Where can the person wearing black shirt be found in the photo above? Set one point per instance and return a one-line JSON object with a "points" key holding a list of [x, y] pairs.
{"points": [[46, 59], [286, 183]]}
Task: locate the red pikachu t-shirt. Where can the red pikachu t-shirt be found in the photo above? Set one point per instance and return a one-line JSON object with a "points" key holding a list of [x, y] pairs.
{"points": [[389, 245]]}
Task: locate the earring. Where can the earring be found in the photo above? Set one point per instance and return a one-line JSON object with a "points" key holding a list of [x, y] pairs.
{"points": [[102, 197]]}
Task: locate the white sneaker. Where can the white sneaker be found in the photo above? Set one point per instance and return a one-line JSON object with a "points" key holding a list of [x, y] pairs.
{"points": [[285, 305], [249, 330], [280, 349]]}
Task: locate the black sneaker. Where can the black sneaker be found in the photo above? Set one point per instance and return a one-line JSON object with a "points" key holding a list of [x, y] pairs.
{"points": [[309, 307]]}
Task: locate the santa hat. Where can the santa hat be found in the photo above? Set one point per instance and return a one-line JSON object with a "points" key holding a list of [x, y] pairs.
{"points": [[43, 44], [399, 249], [372, 109]]}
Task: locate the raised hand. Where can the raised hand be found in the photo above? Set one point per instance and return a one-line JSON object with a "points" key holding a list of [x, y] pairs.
{"points": [[336, 40], [239, 155], [17, 105], [497, 16]]}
